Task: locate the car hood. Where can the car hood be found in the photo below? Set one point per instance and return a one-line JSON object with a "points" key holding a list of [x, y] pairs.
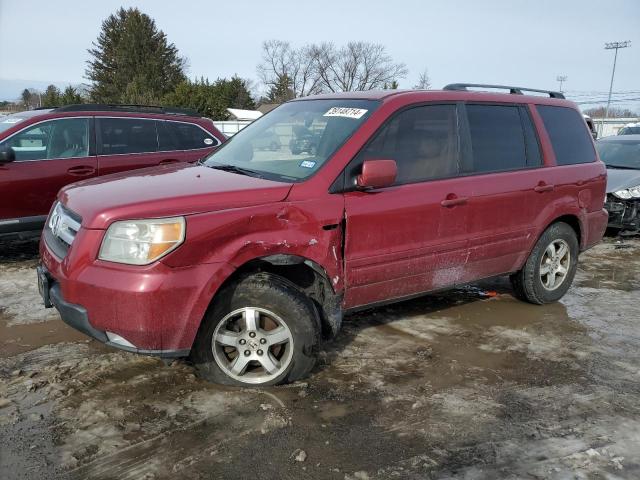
{"points": [[621, 178], [166, 191]]}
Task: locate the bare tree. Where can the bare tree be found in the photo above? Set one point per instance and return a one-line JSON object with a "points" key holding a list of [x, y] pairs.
{"points": [[356, 66], [424, 82], [316, 68], [282, 63]]}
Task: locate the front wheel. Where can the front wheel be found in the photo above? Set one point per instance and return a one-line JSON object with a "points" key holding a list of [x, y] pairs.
{"points": [[550, 268], [260, 331]]}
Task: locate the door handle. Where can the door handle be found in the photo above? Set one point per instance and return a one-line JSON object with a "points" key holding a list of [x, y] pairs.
{"points": [[168, 161], [452, 200], [81, 171], [543, 187]]}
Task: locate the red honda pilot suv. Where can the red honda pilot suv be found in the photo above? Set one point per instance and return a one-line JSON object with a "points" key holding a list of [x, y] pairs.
{"points": [[43, 150], [246, 261]]}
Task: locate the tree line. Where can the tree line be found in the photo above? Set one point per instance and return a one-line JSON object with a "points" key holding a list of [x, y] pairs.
{"points": [[133, 62]]}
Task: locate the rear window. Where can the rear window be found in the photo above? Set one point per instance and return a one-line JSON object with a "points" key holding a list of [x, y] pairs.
{"points": [[184, 136], [127, 135], [497, 138], [570, 137]]}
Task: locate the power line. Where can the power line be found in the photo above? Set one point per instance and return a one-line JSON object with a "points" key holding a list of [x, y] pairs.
{"points": [[613, 46]]}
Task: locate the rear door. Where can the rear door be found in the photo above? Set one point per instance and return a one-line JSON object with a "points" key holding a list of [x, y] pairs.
{"points": [[49, 155], [184, 141], [508, 181], [410, 237], [125, 143]]}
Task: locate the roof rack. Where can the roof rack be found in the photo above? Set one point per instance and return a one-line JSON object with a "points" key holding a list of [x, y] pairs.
{"points": [[512, 90], [109, 107]]}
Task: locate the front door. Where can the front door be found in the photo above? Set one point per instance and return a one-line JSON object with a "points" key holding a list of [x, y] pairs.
{"points": [[49, 155], [410, 237]]}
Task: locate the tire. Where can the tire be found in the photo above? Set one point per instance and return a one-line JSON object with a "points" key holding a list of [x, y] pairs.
{"points": [[274, 301], [531, 284]]}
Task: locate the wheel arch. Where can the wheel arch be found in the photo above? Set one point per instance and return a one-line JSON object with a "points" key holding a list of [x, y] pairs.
{"points": [[306, 275]]}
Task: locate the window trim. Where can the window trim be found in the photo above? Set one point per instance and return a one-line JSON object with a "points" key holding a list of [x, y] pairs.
{"points": [[99, 136], [339, 185], [92, 138]]}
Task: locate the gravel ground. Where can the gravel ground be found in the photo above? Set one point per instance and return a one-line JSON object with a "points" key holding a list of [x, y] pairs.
{"points": [[465, 384]]}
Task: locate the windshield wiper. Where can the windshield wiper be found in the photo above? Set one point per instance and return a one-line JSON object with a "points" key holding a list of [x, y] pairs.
{"points": [[624, 167], [236, 169]]}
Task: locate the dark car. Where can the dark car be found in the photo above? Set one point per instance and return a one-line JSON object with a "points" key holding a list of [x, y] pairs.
{"points": [[246, 262], [621, 155], [303, 141], [631, 129], [41, 151]]}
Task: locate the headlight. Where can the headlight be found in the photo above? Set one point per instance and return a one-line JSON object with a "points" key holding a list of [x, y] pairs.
{"points": [[624, 194], [140, 242], [635, 192]]}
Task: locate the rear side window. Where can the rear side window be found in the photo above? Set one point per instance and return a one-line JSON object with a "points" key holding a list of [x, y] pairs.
{"points": [[422, 140], [127, 135], [497, 138], [184, 136], [570, 138]]}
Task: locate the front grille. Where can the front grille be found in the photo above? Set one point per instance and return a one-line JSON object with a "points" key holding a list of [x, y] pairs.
{"points": [[61, 229]]}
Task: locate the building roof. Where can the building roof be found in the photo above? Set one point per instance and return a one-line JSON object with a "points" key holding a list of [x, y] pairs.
{"points": [[239, 114]]}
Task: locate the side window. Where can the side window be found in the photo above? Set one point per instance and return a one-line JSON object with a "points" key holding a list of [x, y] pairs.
{"points": [[127, 135], [185, 136], [569, 135], [422, 140], [63, 138], [497, 138]]}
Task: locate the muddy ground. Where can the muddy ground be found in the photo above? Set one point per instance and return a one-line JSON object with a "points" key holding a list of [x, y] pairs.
{"points": [[466, 384]]}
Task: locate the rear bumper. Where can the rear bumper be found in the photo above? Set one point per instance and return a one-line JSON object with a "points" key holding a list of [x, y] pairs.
{"points": [[595, 226]]}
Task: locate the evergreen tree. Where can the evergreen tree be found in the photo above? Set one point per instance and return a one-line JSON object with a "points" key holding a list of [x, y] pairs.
{"points": [[26, 96], [281, 90], [70, 96], [132, 61], [51, 97], [212, 99]]}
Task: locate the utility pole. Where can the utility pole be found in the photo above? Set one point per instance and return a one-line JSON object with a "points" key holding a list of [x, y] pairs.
{"points": [[612, 46], [561, 79]]}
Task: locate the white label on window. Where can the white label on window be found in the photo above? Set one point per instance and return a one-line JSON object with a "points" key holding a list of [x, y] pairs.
{"points": [[308, 164], [346, 112], [208, 141]]}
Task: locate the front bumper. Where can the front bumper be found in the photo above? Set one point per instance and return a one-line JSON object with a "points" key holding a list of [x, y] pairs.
{"points": [[623, 214], [76, 316], [153, 309]]}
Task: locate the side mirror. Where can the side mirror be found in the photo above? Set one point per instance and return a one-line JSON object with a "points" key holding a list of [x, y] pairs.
{"points": [[7, 154], [377, 174]]}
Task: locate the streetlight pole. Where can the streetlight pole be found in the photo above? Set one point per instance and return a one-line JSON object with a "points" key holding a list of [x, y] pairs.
{"points": [[612, 46], [561, 79]]}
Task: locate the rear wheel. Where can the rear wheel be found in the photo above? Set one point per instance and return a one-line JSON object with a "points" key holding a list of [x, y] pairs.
{"points": [[260, 331], [550, 268]]}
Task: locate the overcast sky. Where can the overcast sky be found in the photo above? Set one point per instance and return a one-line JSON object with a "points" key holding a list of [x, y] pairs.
{"points": [[527, 43]]}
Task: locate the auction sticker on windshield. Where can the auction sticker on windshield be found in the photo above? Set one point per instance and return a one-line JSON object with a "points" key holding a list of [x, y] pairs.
{"points": [[346, 112]]}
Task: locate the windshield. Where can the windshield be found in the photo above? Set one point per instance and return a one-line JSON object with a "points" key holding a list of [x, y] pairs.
{"points": [[293, 141], [620, 154]]}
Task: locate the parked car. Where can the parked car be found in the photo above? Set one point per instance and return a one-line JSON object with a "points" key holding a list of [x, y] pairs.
{"points": [[43, 150], [630, 129], [621, 155], [303, 141], [247, 264]]}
